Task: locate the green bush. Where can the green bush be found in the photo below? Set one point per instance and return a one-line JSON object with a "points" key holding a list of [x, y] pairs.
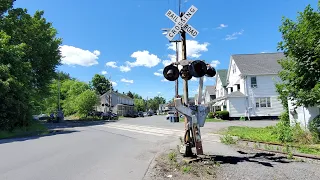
{"points": [[222, 115], [283, 129], [314, 126], [286, 133], [210, 115]]}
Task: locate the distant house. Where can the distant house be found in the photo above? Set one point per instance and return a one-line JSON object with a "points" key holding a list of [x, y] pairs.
{"points": [[250, 86], [120, 103], [221, 89], [209, 94], [196, 99]]}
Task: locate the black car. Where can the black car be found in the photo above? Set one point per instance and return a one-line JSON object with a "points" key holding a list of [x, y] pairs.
{"points": [[149, 113], [109, 116], [140, 114]]}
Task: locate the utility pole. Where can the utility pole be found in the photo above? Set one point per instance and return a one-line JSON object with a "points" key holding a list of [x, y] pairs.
{"points": [[59, 92], [177, 81], [110, 91]]}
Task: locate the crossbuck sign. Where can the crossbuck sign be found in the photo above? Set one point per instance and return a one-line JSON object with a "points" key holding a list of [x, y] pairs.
{"points": [[181, 23]]}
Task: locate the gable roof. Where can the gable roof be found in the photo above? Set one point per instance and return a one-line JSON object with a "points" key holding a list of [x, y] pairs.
{"points": [[258, 64], [223, 76], [211, 89]]}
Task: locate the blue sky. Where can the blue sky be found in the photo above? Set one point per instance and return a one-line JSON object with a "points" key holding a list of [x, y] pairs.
{"points": [[123, 38]]}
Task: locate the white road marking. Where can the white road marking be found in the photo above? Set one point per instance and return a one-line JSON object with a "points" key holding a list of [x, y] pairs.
{"points": [[156, 131]]}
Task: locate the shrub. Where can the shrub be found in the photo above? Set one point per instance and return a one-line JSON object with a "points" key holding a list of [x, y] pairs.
{"points": [[283, 129], [314, 127], [222, 115], [210, 115]]}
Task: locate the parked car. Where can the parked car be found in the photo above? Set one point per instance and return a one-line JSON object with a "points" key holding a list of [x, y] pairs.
{"points": [[149, 113], [131, 114], [43, 117], [140, 114], [109, 116], [170, 114]]}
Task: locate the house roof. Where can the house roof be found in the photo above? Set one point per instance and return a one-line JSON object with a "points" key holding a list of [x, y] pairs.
{"points": [[258, 64], [211, 89], [223, 76], [119, 94], [236, 94]]}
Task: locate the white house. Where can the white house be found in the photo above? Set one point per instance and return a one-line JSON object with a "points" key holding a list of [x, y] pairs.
{"points": [[209, 94], [302, 115], [120, 103], [251, 90], [220, 89]]}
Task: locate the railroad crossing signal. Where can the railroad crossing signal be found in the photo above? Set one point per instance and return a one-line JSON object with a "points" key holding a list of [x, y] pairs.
{"points": [[181, 23]]}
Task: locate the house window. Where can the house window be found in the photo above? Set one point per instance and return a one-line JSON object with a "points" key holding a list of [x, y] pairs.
{"points": [[221, 92], [263, 102], [238, 87], [231, 89], [253, 82], [234, 68]]}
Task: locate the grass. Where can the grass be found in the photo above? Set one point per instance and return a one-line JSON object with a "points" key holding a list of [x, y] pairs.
{"points": [[265, 134], [227, 139], [36, 128], [254, 134]]}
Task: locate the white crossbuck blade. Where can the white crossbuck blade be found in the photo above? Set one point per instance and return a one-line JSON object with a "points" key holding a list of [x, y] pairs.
{"points": [[181, 23]]}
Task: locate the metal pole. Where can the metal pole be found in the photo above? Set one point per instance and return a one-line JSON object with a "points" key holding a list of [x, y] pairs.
{"points": [[188, 129], [177, 81], [59, 91]]}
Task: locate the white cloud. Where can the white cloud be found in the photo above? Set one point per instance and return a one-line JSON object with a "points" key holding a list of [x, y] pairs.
{"points": [[157, 74], [126, 80], [111, 64], [234, 35], [76, 56], [221, 26], [194, 79], [124, 68], [114, 83], [104, 72], [166, 62], [144, 58], [159, 92], [160, 70], [164, 80], [215, 63], [194, 48]]}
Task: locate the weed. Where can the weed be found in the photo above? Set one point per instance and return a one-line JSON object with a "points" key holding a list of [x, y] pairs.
{"points": [[181, 140], [172, 156], [217, 163], [186, 169], [227, 139]]}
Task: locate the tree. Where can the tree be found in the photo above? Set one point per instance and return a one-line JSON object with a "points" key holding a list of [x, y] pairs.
{"points": [[301, 67], [86, 101], [42, 46], [136, 96], [100, 84], [29, 54], [14, 87], [130, 95], [139, 104]]}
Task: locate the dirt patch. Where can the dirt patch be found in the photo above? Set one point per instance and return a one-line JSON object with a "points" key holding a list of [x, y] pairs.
{"points": [[172, 165]]}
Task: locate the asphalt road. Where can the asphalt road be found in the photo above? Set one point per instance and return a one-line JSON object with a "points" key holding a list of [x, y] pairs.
{"points": [[114, 150]]}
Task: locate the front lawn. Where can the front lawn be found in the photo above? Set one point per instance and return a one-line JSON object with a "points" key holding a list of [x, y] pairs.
{"points": [[268, 135], [36, 128], [254, 134]]}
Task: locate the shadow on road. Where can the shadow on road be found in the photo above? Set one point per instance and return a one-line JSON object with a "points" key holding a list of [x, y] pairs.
{"points": [[265, 159], [36, 136]]}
